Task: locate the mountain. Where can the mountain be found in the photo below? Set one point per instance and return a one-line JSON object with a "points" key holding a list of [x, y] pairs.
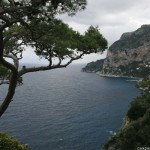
{"points": [[129, 56]]}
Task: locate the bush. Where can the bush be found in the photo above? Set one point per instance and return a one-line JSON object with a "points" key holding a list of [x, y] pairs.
{"points": [[139, 106], [9, 143], [136, 134]]}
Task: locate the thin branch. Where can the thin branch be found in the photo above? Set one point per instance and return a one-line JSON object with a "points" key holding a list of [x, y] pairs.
{"points": [[59, 62], [71, 60]]}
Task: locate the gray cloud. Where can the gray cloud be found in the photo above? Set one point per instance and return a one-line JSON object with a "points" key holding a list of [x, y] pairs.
{"points": [[114, 17]]}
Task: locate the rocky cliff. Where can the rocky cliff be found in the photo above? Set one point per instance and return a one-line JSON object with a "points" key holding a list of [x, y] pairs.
{"points": [[130, 55], [94, 66]]}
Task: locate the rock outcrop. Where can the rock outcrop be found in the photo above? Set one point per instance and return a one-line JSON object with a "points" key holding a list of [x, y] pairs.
{"points": [[130, 55], [94, 66]]}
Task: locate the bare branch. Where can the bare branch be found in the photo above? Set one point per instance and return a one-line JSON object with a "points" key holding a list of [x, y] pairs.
{"points": [[44, 68], [15, 59]]}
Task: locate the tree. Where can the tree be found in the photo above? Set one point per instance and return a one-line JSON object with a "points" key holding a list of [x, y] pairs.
{"points": [[33, 23]]}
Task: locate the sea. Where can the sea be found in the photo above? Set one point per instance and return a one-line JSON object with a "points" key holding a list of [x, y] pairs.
{"points": [[67, 109]]}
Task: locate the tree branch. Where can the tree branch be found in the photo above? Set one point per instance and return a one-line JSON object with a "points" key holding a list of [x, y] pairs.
{"points": [[10, 94], [71, 60], [15, 59], [44, 68], [13, 9]]}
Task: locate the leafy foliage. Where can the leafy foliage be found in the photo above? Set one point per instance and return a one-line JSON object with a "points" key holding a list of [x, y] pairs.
{"points": [[57, 40], [139, 106], [144, 85], [135, 69], [9, 143]]}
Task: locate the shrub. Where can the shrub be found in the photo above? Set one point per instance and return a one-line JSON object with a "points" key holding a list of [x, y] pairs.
{"points": [[139, 106], [9, 143]]}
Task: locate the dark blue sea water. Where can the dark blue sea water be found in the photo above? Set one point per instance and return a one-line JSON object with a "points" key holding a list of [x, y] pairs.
{"points": [[66, 109]]}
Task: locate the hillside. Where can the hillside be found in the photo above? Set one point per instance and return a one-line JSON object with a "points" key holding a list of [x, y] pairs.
{"points": [[94, 66], [129, 56]]}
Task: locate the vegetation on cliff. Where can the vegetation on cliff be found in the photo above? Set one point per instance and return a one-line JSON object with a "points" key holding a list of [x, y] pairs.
{"points": [[136, 131], [135, 69], [9, 143]]}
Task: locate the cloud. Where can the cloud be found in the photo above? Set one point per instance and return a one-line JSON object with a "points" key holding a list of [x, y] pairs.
{"points": [[114, 17], [30, 57]]}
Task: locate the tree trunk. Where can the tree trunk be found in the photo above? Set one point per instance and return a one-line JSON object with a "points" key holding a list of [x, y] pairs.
{"points": [[13, 79], [10, 93]]}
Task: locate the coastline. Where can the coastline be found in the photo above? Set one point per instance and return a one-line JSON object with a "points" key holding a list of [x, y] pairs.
{"points": [[116, 76], [113, 76]]}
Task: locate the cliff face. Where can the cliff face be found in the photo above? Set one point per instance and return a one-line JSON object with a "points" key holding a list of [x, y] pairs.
{"points": [[129, 56]]}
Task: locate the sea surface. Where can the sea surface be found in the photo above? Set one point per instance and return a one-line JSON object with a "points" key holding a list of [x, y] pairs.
{"points": [[66, 109]]}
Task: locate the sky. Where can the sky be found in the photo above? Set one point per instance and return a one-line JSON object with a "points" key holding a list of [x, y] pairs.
{"points": [[114, 17]]}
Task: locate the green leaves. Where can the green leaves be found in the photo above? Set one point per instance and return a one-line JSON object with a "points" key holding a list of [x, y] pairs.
{"points": [[9, 143], [59, 40], [93, 41], [54, 39], [50, 37]]}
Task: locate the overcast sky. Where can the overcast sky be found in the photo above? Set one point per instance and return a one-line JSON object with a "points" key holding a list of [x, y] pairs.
{"points": [[113, 17]]}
